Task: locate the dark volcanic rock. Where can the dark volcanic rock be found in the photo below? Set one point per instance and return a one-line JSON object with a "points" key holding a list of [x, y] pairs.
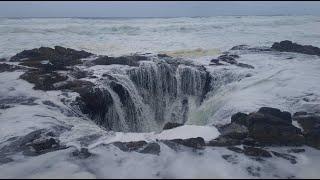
{"points": [[33, 144], [254, 171], [230, 158], [231, 59], [288, 157], [313, 138], [240, 47], [235, 149], [234, 130], [227, 58], [276, 113], [162, 55], [130, 146], [139, 146], [151, 148], [45, 57], [240, 118], [299, 113], [289, 46], [41, 146], [82, 154], [257, 152], [268, 126], [196, 143], [275, 134], [311, 128], [224, 141], [43, 81], [123, 60], [9, 68], [308, 122], [171, 125]]}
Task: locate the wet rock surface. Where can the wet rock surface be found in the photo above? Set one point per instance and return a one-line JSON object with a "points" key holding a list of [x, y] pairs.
{"points": [[230, 59], [123, 60], [50, 58], [83, 153], [289, 46], [32, 144], [268, 126], [139, 146], [310, 124], [171, 125], [9, 68], [196, 143]]}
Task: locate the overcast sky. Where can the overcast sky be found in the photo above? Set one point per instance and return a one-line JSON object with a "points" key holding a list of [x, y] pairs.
{"points": [[156, 9]]}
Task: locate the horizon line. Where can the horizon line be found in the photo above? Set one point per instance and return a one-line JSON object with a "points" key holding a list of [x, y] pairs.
{"points": [[102, 17]]}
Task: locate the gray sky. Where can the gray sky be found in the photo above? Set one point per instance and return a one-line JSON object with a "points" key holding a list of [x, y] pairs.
{"points": [[156, 9]]}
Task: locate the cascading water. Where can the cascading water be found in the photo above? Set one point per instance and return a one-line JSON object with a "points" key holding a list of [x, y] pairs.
{"points": [[145, 97]]}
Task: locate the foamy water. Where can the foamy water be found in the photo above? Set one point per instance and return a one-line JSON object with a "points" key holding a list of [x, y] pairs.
{"points": [[117, 36], [280, 80]]}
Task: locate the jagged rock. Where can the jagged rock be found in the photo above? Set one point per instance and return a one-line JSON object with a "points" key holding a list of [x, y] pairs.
{"points": [[308, 122], [89, 139], [254, 171], [235, 149], [299, 113], [289, 46], [283, 115], [130, 146], [3, 59], [4, 160], [41, 146], [240, 118], [151, 148], [257, 152], [273, 127], [171, 125], [43, 81], [311, 128], [227, 58], [240, 47], [162, 55], [5, 106], [9, 68], [196, 143], [78, 73], [234, 130], [275, 134], [288, 157], [224, 141], [79, 86], [268, 126], [230, 158], [49, 58], [123, 60], [313, 138], [82, 154], [33, 144]]}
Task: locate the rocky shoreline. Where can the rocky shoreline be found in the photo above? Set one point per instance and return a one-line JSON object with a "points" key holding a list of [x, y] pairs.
{"points": [[249, 134]]}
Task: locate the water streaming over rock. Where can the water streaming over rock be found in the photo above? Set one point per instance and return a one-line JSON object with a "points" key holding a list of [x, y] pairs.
{"points": [[144, 98]]}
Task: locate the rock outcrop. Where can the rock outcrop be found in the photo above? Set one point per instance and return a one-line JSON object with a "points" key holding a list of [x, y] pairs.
{"points": [[289, 46], [171, 125], [230, 59], [311, 127]]}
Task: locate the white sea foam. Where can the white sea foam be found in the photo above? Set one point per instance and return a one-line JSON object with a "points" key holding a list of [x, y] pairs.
{"points": [[276, 81]]}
